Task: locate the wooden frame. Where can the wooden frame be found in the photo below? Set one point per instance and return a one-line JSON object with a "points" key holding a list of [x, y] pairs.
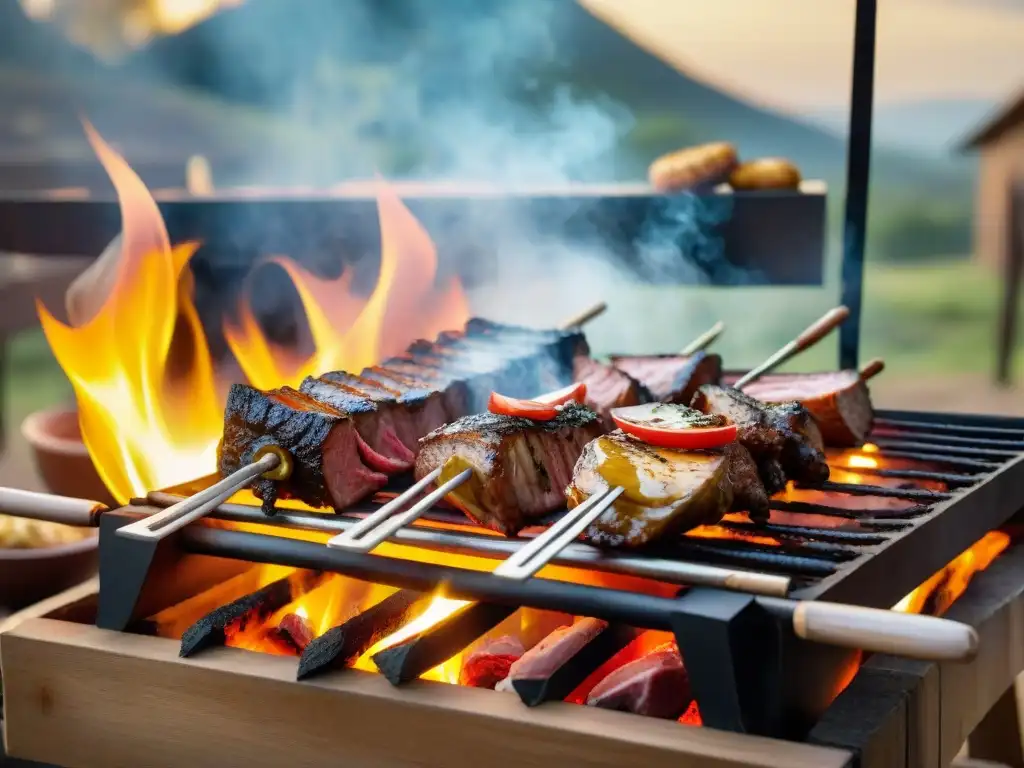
{"points": [[120, 699]]}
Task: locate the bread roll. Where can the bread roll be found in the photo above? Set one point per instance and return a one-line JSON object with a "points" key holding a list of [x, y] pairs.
{"points": [[693, 166], [766, 173]]}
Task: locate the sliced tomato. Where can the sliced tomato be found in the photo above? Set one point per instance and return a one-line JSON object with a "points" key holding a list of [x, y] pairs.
{"points": [[543, 408], [674, 426], [576, 393]]}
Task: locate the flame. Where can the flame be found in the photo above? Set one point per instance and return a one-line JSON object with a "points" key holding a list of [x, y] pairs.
{"points": [[149, 402], [859, 461], [943, 588]]}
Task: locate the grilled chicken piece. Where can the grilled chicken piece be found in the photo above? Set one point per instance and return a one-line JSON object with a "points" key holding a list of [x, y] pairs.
{"points": [[373, 421], [672, 378], [655, 685], [666, 492], [774, 434], [608, 387], [519, 466], [839, 402], [326, 448]]}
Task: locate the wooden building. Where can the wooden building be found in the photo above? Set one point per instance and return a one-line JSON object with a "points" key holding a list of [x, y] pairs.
{"points": [[1000, 146]]}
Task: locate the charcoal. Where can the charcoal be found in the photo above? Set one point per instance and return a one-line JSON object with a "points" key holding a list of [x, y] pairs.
{"points": [[340, 646], [577, 668], [410, 659], [211, 629]]}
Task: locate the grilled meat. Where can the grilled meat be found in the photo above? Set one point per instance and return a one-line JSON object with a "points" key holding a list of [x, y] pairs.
{"points": [[783, 434], [553, 652], [666, 492], [839, 402], [489, 663], [519, 466], [327, 450], [608, 387], [655, 685], [672, 378]]}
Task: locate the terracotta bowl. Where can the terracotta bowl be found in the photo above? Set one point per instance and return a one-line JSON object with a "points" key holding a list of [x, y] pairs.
{"points": [[31, 574]]}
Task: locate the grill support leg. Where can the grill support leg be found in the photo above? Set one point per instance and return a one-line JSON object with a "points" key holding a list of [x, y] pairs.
{"points": [[732, 650]]}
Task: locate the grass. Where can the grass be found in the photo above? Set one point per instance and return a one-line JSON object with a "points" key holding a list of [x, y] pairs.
{"points": [[927, 319]]}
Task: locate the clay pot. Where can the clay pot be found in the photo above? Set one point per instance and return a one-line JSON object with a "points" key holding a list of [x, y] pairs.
{"points": [[61, 457], [30, 575]]}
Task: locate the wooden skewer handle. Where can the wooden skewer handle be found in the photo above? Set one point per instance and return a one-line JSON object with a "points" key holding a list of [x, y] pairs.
{"points": [[585, 316], [879, 631], [822, 328], [705, 340], [31, 505], [872, 369]]}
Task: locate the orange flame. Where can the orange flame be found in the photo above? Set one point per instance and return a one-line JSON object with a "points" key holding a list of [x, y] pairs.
{"points": [[146, 425]]}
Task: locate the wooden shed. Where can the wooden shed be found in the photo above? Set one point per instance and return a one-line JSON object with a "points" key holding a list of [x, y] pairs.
{"points": [[1000, 146]]}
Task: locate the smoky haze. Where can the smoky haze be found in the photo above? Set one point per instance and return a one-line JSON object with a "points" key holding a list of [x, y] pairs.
{"points": [[468, 90]]}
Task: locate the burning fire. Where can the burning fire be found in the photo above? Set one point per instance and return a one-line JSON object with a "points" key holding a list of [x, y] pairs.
{"points": [[145, 426]]}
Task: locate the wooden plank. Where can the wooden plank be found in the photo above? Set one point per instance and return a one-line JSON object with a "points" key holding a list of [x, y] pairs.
{"points": [[923, 707], [997, 737], [242, 708]]}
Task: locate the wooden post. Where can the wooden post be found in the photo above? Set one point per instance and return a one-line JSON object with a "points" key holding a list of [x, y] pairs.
{"points": [[1012, 277]]}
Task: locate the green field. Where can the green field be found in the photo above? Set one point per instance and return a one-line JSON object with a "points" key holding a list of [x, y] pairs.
{"points": [[936, 318]]}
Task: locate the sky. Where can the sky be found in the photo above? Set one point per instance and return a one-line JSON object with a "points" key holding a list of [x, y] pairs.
{"points": [[796, 54]]}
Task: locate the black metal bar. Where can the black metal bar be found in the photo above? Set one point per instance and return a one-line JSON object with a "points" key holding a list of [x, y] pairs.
{"points": [[853, 489], [633, 608], [837, 535], [950, 479], [786, 548], [760, 558], [944, 440], [858, 179], [950, 450], [964, 429], [948, 461], [807, 508]]}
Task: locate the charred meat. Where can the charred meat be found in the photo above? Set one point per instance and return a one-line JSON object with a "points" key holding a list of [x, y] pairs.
{"points": [[839, 402], [327, 450], [672, 378], [655, 685], [608, 387], [520, 466], [776, 435], [666, 491]]}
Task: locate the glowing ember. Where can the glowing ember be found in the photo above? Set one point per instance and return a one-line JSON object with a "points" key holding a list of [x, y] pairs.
{"points": [[943, 588], [858, 461], [146, 429]]}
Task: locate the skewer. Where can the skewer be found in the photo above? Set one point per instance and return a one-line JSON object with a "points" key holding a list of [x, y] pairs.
{"points": [[270, 461], [32, 505], [585, 316], [871, 369], [705, 340], [811, 336]]}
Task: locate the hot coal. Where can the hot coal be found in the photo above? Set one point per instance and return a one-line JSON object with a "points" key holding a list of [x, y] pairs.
{"points": [[555, 667], [213, 628], [489, 664], [292, 634], [408, 660], [340, 646], [655, 685]]}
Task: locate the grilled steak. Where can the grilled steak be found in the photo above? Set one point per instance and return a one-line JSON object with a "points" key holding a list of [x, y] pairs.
{"points": [[608, 387], [672, 378], [553, 652], [373, 421], [519, 466], [655, 685], [774, 434], [839, 402], [666, 491], [489, 664], [327, 450]]}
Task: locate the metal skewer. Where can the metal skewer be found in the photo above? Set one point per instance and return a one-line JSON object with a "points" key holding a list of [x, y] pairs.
{"points": [[811, 336], [270, 461], [705, 340]]}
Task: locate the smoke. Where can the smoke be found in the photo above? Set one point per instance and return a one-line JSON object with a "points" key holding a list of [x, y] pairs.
{"points": [[486, 91]]}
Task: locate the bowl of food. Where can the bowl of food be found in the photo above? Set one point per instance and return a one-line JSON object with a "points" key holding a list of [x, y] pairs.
{"points": [[39, 559]]}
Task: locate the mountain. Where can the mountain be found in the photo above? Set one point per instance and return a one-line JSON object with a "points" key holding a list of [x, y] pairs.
{"points": [[930, 127]]}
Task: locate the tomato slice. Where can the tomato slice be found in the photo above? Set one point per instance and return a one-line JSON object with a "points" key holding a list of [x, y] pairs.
{"points": [[674, 426], [543, 408]]}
